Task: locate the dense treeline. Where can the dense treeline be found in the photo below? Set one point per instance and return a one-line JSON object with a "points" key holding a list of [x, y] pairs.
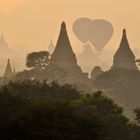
{"points": [[36, 89], [30, 110]]}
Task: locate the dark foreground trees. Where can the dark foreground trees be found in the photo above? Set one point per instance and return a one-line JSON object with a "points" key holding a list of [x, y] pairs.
{"points": [[41, 111]]}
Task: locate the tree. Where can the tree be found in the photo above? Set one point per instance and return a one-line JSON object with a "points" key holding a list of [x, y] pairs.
{"points": [[63, 114], [38, 60], [138, 61], [137, 112]]}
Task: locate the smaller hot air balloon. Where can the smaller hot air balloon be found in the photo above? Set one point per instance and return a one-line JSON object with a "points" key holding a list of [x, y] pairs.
{"points": [[80, 27]]}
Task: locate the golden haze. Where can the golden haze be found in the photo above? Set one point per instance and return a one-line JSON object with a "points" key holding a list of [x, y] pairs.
{"points": [[29, 25]]}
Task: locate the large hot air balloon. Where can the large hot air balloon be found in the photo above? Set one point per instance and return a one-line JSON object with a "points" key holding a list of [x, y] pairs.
{"points": [[97, 32]]}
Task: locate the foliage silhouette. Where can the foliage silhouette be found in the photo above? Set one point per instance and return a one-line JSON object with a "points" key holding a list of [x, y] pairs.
{"points": [[137, 112], [38, 60], [38, 111]]}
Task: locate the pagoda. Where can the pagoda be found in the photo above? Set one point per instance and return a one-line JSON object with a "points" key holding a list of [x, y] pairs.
{"points": [[3, 43], [8, 71], [64, 58], [124, 57], [51, 47]]}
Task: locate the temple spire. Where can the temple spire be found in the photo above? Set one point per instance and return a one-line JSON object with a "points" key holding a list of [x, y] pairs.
{"points": [[2, 37], [3, 43], [63, 63], [63, 25], [124, 33], [124, 57], [8, 71], [63, 39], [124, 42], [51, 47], [63, 53]]}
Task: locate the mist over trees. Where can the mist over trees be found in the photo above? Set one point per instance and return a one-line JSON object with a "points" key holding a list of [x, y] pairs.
{"points": [[39, 103], [37, 62], [54, 98], [51, 111]]}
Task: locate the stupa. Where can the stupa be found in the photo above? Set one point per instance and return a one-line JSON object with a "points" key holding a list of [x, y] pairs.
{"points": [[3, 43], [51, 47], [8, 71], [124, 57], [64, 58]]}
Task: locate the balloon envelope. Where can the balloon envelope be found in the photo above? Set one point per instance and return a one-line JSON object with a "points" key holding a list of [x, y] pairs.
{"points": [[99, 33], [80, 29]]}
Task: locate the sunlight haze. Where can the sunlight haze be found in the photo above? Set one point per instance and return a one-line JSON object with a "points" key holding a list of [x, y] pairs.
{"points": [[30, 25]]}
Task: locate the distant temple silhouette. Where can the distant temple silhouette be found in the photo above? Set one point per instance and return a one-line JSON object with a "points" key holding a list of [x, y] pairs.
{"points": [[88, 58], [3, 43], [64, 57], [51, 47], [124, 57], [8, 71]]}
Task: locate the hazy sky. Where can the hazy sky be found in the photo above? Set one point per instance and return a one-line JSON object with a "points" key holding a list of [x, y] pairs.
{"points": [[7, 5], [31, 24]]}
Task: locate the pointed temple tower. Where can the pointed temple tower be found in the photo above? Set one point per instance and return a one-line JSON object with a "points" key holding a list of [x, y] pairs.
{"points": [[3, 43], [124, 57], [51, 47], [64, 57], [8, 72]]}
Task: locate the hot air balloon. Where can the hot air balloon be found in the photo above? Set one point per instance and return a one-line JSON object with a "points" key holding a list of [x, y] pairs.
{"points": [[97, 32], [80, 27]]}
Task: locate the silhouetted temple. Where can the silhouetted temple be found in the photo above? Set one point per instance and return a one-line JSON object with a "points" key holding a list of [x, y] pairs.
{"points": [[124, 57], [64, 58], [51, 47], [8, 71], [96, 72], [3, 43]]}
